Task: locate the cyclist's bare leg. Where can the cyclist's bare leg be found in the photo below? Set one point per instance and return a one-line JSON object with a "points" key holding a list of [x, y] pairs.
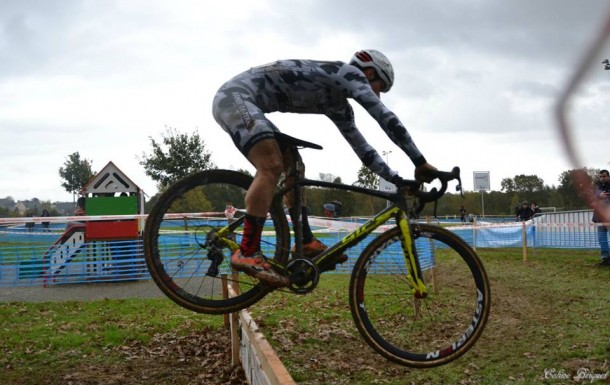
{"points": [[266, 157]]}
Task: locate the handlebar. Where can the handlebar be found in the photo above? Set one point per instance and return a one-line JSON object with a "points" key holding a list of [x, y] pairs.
{"points": [[413, 187], [444, 177]]}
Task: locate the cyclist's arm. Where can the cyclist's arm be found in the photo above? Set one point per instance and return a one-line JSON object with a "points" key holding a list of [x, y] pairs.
{"points": [[360, 90], [344, 120], [357, 87], [396, 131]]}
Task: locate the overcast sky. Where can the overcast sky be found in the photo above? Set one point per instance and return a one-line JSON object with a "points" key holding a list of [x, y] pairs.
{"points": [[476, 81]]}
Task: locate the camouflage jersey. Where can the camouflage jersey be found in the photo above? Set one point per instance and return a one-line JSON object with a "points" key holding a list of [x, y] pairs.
{"points": [[308, 86]]}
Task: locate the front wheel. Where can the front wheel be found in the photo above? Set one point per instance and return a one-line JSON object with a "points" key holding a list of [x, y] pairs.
{"points": [[187, 253], [420, 332]]}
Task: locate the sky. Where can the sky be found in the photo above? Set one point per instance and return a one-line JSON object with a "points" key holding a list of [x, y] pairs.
{"points": [[476, 82]]}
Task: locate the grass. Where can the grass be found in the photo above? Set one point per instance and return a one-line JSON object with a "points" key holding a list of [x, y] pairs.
{"points": [[42, 343], [549, 315]]}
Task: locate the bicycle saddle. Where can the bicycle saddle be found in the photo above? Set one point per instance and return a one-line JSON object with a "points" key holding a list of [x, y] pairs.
{"points": [[289, 141]]}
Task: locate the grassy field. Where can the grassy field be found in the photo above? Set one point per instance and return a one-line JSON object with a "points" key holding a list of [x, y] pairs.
{"points": [[550, 317], [550, 320]]}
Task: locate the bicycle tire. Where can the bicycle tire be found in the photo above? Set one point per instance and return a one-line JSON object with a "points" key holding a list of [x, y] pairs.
{"points": [[424, 332], [177, 246]]}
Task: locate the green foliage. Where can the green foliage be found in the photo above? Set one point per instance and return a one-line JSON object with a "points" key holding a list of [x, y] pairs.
{"points": [[569, 189], [75, 173], [330, 178], [367, 178], [221, 194], [192, 201], [522, 184], [175, 157]]}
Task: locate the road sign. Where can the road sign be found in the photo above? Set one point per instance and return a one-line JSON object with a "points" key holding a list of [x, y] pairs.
{"points": [[481, 181]]}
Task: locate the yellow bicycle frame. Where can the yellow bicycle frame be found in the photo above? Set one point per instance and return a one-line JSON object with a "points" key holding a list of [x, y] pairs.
{"points": [[408, 247]]}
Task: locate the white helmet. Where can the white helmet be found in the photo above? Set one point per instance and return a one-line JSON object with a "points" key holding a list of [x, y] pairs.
{"points": [[378, 61]]}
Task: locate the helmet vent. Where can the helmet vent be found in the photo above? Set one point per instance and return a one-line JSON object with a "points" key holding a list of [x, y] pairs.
{"points": [[364, 56]]}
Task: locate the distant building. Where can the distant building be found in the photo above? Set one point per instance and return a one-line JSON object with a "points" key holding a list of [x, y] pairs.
{"points": [[35, 206], [64, 208], [8, 203]]}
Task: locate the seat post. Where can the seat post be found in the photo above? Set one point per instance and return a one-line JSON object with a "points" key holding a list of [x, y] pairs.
{"points": [[294, 171], [297, 170]]}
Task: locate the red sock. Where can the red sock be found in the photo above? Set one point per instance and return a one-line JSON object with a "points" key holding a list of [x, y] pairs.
{"points": [[251, 239]]}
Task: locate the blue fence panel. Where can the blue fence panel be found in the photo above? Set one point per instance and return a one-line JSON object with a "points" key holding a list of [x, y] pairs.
{"points": [[28, 257]]}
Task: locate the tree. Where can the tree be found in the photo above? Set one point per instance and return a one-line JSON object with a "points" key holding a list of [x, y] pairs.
{"points": [[522, 184], [572, 191], [367, 178], [329, 178], [76, 173], [177, 156], [526, 187]]}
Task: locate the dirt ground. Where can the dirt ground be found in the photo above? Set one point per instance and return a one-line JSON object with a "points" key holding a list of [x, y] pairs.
{"points": [[203, 357], [523, 309]]}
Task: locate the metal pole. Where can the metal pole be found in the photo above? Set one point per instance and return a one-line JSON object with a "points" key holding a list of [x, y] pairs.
{"points": [[387, 153]]}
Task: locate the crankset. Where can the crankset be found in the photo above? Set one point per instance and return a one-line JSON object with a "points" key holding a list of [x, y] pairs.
{"points": [[304, 275]]}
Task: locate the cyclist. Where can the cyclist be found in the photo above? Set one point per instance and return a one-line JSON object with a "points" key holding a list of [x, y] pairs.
{"points": [[304, 86]]}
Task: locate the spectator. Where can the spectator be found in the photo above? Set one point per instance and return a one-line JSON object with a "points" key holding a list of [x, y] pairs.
{"points": [[79, 210], [524, 212], [230, 211], [602, 201], [30, 225], [329, 210], [332, 209], [535, 209], [45, 225], [338, 208], [80, 207], [463, 214]]}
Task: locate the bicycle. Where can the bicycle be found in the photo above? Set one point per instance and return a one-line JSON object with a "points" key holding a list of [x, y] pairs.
{"points": [[419, 295]]}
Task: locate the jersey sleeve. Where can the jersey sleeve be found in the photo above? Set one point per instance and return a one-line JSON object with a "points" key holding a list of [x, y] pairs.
{"points": [[393, 128], [363, 94], [344, 120]]}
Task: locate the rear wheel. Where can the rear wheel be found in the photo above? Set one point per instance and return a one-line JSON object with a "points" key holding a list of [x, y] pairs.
{"points": [[184, 254], [420, 332]]}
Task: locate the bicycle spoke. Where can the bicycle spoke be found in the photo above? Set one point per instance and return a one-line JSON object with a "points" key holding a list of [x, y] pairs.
{"points": [[186, 256], [417, 331]]}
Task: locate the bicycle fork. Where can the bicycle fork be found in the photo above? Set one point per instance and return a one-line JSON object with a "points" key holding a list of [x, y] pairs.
{"points": [[414, 274]]}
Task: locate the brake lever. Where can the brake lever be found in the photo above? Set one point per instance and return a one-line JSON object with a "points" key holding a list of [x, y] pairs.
{"points": [[459, 186]]}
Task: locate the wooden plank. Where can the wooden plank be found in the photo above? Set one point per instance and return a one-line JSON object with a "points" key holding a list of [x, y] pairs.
{"points": [[269, 363], [260, 362]]}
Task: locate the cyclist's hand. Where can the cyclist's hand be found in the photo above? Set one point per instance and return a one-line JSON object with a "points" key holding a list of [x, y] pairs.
{"points": [[397, 180], [402, 184], [425, 173]]}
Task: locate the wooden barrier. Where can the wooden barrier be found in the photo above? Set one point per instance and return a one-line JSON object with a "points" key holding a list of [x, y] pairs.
{"points": [[250, 347]]}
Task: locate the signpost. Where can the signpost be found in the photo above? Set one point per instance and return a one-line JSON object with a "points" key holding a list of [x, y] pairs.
{"points": [[386, 186], [481, 184]]}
